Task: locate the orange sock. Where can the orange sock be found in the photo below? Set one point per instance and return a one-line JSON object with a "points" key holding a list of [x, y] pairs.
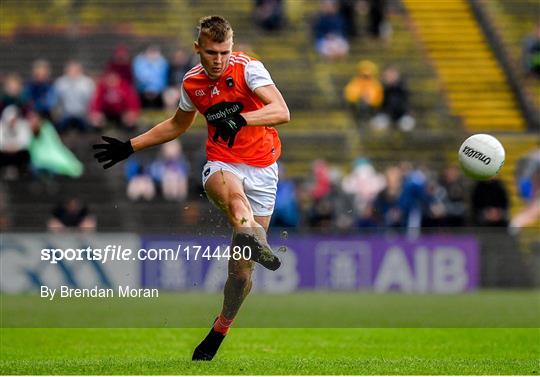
{"points": [[223, 325]]}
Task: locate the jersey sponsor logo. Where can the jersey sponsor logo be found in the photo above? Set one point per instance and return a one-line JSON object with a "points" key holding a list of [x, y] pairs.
{"points": [[199, 93], [223, 110]]}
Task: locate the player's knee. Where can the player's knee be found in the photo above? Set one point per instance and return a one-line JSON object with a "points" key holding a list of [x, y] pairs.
{"points": [[239, 210]]}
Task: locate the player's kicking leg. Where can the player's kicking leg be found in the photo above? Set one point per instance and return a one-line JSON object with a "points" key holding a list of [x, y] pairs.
{"points": [[226, 190]]}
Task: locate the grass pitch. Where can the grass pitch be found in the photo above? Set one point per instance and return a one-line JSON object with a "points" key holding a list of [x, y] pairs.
{"points": [[272, 351], [482, 345]]}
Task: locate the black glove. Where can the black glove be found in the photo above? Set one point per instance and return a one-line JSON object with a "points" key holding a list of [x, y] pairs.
{"points": [[225, 116], [114, 151], [228, 128]]}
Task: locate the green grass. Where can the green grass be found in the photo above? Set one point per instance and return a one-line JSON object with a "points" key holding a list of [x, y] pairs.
{"points": [[488, 332], [272, 351], [501, 309]]}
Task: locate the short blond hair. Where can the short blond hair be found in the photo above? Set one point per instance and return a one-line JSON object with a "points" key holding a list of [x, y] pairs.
{"points": [[216, 28]]}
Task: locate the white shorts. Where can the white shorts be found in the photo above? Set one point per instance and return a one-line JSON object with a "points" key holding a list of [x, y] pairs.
{"points": [[260, 184]]}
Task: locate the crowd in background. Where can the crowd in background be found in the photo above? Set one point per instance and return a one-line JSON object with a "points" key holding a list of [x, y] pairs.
{"points": [[402, 196], [37, 112]]}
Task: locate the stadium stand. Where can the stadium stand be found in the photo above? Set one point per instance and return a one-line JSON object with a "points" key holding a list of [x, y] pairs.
{"points": [[321, 127], [513, 22], [476, 85]]}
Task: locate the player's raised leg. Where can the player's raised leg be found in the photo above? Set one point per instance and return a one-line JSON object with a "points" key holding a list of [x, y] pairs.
{"points": [[226, 190]]}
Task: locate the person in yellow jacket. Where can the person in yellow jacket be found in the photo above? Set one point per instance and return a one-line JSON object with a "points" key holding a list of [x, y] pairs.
{"points": [[364, 92]]}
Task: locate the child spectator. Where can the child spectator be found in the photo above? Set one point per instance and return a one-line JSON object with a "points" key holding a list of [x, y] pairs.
{"points": [[39, 90], [12, 93], [116, 101], [170, 171], [140, 184], [395, 104], [74, 90], [330, 31], [364, 92], [15, 137], [71, 214], [150, 69]]}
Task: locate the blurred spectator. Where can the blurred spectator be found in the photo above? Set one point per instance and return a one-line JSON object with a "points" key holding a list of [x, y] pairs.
{"points": [[531, 52], [364, 92], [347, 9], [116, 101], [413, 194], [378, 27], [12, 93], [490, 203], [321, 179], [150, 69], [180, 64], [140, 184], [330, 31], [268, 14], [71, 214], [528, 181], [343, 214], [286, 211], [395, 104], [170, 171], [74, 90], [364, 183], [456, 200], [15, 137], [434, 205], [39, 90], [47, 152], [120, 63], [387, 209], [321, 212]]}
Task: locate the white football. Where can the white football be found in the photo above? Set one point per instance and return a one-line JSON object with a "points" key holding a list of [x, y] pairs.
{"points": [[481, 156]]}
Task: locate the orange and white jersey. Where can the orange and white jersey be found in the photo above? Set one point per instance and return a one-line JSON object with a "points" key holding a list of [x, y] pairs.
{"points": [[254, 145]]}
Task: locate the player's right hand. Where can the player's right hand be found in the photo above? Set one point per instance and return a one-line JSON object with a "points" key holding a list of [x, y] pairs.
{"points": [[113, 152]]}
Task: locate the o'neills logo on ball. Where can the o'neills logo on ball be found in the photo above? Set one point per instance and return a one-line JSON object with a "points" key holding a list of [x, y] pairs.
{"points": [[469, 152]]}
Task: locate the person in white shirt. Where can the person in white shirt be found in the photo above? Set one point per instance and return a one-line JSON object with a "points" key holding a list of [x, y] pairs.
{"points": [[74, 90]]}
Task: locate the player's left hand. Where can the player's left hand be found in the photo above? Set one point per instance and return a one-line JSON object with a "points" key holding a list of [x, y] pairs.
{"points": [[226, 117], [228, 128]]}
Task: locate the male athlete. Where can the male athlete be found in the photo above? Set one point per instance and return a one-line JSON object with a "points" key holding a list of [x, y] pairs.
{"points": [[241, 105]]}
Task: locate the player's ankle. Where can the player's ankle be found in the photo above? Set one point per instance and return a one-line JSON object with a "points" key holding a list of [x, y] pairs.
{"points": [[223, 324]]}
